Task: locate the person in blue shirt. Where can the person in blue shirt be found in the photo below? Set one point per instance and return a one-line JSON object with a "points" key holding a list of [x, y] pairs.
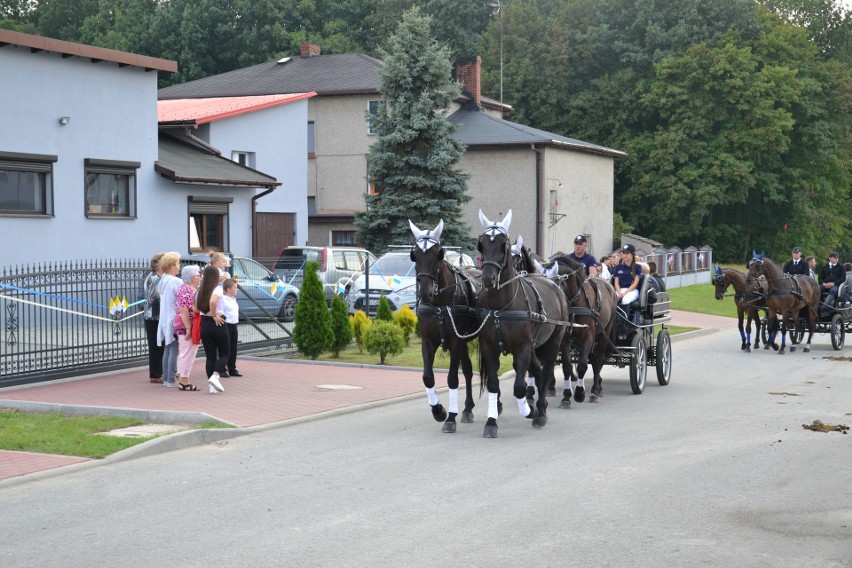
{"points": [[580, 255], [627, 275]]}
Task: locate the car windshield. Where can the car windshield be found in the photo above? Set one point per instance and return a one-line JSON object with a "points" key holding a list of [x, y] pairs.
{"points": [[396, 264]]}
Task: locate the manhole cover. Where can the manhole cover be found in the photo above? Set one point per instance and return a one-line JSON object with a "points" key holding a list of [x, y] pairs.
{"points": [[339, 387]]}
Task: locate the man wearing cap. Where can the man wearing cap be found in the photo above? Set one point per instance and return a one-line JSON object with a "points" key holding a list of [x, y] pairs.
{"points": [[580, 255], [831, 275], [796, 265]]}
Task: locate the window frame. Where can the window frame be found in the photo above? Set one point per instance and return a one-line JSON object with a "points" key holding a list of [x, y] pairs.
{"points": [[249, 158], [39, 164], [111, 167], [312, 139], [379, 103], [208, 205]]}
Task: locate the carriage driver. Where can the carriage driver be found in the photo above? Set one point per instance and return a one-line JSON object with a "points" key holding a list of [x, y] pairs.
{"points": [[831, 276], [796, 265], [580, 255]]}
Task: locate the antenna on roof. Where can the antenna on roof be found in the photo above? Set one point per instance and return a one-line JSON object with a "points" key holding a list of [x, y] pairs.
{"points": [[284, 60]]}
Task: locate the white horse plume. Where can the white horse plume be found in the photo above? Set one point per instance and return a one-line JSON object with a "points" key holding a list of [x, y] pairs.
{"points": [[428, 238], [493, 228]]}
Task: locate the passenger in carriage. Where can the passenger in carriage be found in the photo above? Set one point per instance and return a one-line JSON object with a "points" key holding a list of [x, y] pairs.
{"points": [[848, 267], [580, 255], [656, 280], [831, 275], [811, 265], [796, 265], [603, 268], [627, 276]]}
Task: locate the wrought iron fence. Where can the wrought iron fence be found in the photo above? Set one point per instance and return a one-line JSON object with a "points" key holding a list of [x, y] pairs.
{"points": [[77, 317]]}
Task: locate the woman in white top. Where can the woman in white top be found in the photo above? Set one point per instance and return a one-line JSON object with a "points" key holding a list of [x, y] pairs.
{"points": [[168, 286], [214, 334]]}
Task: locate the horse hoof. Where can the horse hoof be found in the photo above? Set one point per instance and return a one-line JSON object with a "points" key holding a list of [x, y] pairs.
{"points": [[533, 413], [766, 346], [579, 394], [775, 346], [539, 422], [439, 413], [792, 348], [594, 398], [467, 417], [744, 347], [449, 428], [551, 392], [490, 429], [807, 350], [781, 351], [565, 403], [748, 349]]}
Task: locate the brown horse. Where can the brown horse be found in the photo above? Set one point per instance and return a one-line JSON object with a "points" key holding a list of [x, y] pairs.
{"points": [[749, 302], [447, 316], [522, 315], [786, 296]]}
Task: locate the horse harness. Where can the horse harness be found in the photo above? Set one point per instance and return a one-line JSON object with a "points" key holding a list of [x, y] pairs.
{"points": [[462, 281]]}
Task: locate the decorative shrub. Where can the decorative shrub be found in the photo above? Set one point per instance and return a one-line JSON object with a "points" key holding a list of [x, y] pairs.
{"points": [[359, 322], [406, 320], [383, 338], [340, 326], [312, 332], [383, 312]]}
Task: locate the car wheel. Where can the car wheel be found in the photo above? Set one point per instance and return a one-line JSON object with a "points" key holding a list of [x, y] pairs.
{"points": [[288, 308]]}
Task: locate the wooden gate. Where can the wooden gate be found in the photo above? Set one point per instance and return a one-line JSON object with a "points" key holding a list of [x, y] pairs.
{"points": [[272, 233]]}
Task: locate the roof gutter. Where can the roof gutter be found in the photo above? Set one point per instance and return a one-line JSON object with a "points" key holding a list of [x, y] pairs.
{"points": [[539, 190], [199, 141]]}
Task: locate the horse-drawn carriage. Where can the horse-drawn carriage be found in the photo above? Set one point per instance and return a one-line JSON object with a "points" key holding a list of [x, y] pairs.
{"points": [[835, 320]]}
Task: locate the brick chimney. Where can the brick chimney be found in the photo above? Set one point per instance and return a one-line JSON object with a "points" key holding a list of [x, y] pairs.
{"points": [[467, 73], [309, 49]]}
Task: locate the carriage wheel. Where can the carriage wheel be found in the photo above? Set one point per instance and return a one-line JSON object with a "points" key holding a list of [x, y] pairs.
{"points": [[797, 337], [664, 357], [838, 332], [638, 365]]}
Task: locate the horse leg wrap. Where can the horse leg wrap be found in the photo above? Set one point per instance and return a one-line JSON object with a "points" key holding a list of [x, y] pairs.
{"points": [[530, 381], [581, 383], [433, 396], [523, 407], [742, 335], [492, 405], [454, 401]]}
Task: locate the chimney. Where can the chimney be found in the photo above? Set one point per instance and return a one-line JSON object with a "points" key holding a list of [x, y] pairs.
{"points": [[309, 49], [467, 73]]}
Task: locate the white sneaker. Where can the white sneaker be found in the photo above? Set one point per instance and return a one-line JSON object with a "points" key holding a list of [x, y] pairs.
{"points": [[212, 390], [213, 381]]}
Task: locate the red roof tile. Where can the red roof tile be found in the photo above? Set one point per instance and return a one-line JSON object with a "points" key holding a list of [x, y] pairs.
{"points": [[202, 111]]}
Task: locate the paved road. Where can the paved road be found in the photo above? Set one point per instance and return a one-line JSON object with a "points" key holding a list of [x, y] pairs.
{"points": [[713, 470]]}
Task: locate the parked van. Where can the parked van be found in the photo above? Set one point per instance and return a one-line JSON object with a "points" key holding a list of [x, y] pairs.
{"points": [[337, 265]]}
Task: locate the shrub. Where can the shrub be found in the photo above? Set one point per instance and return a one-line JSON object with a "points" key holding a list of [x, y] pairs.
{"points": [[384, 338], [359, 323], [406, 320], [340, 327], [383, 312], [312, 332]]}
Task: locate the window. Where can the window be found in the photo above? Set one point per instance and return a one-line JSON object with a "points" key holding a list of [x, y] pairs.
{"points": [[243, 158], [374, 108], [312, 139], [208, 223], [111, 188], [26, 184], [343, 238]]}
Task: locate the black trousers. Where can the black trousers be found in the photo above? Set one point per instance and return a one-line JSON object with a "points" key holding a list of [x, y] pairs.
{"points": [[214, 339], [155, 352], [232, 346]]}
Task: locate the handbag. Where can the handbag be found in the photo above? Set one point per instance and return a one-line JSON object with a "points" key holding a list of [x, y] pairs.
{"points": [[196, 328]]}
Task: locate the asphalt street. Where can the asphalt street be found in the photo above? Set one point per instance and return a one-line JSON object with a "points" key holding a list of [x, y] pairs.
{"points": [[713, 470]]}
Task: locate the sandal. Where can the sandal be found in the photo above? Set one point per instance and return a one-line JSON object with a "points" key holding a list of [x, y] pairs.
{"points": [[188, 387]]}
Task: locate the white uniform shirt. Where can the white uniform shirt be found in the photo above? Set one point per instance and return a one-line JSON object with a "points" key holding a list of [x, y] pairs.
{"points": [[232, 309]]}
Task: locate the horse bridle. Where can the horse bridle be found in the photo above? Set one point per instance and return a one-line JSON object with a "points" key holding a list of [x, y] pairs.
{"points": [[506, 250]]}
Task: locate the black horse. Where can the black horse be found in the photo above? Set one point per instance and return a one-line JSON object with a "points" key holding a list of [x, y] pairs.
{"points": [[524, 316], [787, 295], [592, 304], [749, 302], [447, 315]]}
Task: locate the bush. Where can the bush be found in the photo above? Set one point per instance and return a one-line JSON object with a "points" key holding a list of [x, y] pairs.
{"points": [[359, 323], [406, 320], [383, 312], [340, 327], [384, 338], [312, 332]]}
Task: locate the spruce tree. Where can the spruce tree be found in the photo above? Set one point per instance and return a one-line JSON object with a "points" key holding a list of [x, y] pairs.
{"points": [[413, 161], [340, 326], [312, 332], [384, 311]]}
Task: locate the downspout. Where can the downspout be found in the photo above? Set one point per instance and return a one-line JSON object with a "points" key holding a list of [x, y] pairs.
{"points": [[539, 181], [254, 219], [201, 142]]}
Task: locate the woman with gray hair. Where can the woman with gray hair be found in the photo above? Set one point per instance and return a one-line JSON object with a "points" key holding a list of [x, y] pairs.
{"points": [[152, 319], [186, 313]]}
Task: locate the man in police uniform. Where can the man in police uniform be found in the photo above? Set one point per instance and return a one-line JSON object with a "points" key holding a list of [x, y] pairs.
{"points": [[796, 265], [580, 255]]}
